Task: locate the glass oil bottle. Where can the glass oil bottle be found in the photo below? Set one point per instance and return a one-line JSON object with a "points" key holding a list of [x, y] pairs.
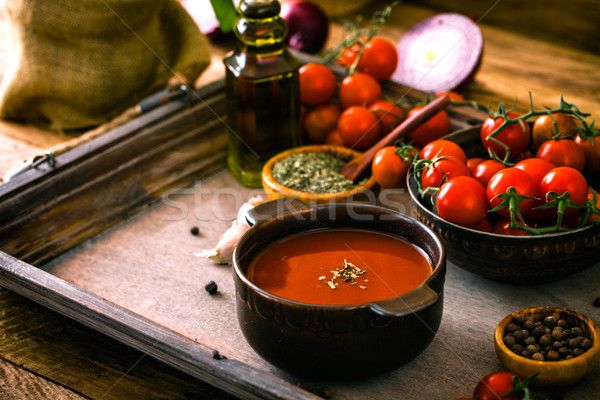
{"points": [[262, 89]]}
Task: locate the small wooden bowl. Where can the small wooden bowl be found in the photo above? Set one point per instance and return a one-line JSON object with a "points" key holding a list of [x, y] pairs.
{"points": [[275, 190], [553, 373]]}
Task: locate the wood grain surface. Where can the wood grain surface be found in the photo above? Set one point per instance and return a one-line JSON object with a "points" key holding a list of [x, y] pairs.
{"points": [[548, 48]]}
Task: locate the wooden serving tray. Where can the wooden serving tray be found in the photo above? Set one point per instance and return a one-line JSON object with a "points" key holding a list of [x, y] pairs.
{"points": [[104, 238]]}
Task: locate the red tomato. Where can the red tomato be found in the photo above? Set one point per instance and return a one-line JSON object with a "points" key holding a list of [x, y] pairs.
{"points": [[513, 136], [565, 179], [388, 113], [517, 178], [441, 170], [379, 58], [453, 96], [442, 147], [537, 168], [502, 228], [389, 169], [544, 129], [358, 127], [334, 139], [462, 200], [359, 89], [483, 226], [317, 84], [494, 386], [591, 149], [436, 127], [562, 153], [486, 169], [473, 162], [320, 122], [593, 216]]}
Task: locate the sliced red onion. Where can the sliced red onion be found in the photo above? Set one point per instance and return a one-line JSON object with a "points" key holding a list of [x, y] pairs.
{"points": [[440, 53]]}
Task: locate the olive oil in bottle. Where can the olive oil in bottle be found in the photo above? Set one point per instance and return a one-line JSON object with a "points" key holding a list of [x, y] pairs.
{"points": [[263, 91]]}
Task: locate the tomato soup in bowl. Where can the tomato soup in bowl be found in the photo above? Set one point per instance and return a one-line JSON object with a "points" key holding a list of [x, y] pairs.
{"points": [[340, 267], [338, 290]]}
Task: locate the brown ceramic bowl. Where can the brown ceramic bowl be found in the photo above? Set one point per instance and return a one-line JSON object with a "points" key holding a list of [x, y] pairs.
{"points": [[508, 258], [552, 373], [275, 190], [337, 341]]}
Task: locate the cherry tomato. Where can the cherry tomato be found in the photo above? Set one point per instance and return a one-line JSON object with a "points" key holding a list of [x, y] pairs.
{"points": [[453, 96], [388, 114], [537, 168], [591, 149], [334, 139], [317, 83], [348, 55], [359, 89], [379, 58], [517, 178], [321, 121], [436, 127], [358, 127], [441, 170], [544, 129], [389, 169], [513, 136], [486, 169], [442, 147], [494, 386], [565, 179], [462, 200], [562, 153], [593, 216], [502, 228], [473, 162], [483, 226]]}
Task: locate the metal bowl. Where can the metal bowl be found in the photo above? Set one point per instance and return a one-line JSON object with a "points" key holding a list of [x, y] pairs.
{"points": [[551, 373], [507, 258]]}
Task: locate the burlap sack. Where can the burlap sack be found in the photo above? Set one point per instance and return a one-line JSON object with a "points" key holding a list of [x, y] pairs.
{"points": [[75, 64]]}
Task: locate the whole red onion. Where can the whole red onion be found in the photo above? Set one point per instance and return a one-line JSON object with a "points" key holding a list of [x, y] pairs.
{"points": [[308, 25]]}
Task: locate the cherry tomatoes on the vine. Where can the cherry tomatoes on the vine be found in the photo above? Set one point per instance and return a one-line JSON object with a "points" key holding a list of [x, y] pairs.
{"points": [[317, 83], [434, 128], [388, 113], [565, 179], [562, 153], [462, 200], [514, 136], [389, 169], [544, 129], [520, 181], [359, 89], [442, 147], [494, 386], [537, 168], [473, 162], [358, 127], [442, 170], [379, 58]]}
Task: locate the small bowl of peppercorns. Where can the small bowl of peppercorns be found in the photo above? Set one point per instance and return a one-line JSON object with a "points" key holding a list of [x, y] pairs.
{"points": [[563, 345]]}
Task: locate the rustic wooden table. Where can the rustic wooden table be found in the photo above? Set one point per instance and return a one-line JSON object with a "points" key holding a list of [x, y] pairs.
{"points": [[46, 355]]}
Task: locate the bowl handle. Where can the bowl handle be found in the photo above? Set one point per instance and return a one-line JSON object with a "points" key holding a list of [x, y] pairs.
{"points": [[271, 209], [411, 302]]}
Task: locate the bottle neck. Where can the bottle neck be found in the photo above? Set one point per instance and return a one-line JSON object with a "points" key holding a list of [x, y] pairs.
{"points": [[260, 26]]}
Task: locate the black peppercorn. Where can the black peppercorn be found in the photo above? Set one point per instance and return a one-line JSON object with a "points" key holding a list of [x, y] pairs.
{"points": [[195, 231], [211, 287], [550, 321], [509, 341]]}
